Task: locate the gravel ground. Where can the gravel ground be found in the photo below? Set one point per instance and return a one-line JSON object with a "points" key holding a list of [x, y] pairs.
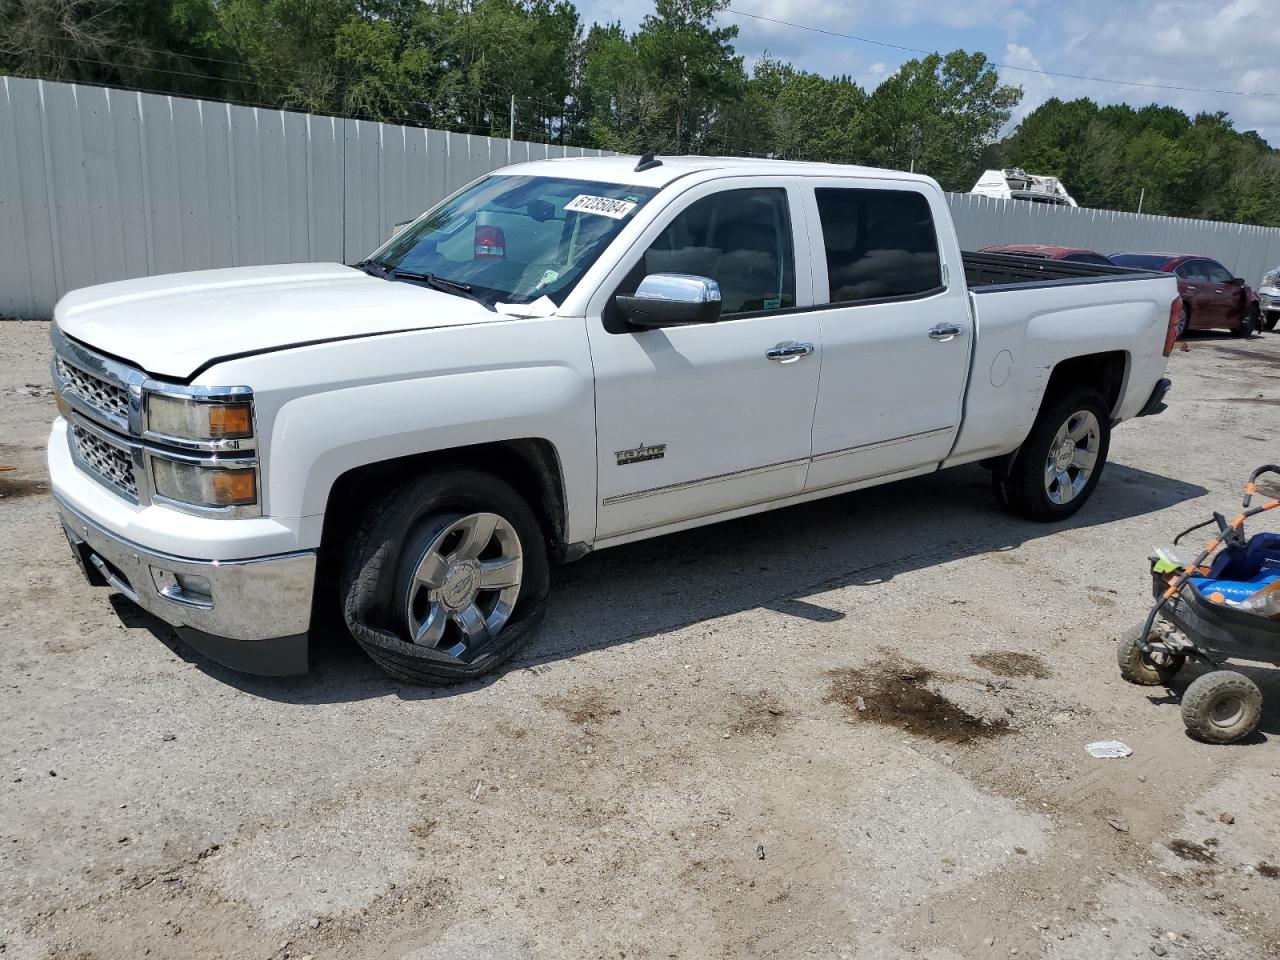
{"points": [[679, 766]]}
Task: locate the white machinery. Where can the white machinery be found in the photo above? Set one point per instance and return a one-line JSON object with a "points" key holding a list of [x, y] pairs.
{"points": [[1014, 183]]}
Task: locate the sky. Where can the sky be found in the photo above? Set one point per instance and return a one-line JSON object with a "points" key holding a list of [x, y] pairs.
{"points": [[1222, 46]]}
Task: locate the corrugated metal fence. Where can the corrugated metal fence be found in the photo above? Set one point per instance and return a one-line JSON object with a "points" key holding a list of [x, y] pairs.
{"points": [[1246, 250], [99, 184]]}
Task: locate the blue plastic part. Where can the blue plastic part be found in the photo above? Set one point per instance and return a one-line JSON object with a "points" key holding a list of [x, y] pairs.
{"points": [[1241, 572]]}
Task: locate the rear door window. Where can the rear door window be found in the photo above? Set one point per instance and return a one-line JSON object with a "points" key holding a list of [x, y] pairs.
{"points": [[879, 243], [1192, 270], [1216, 272]]}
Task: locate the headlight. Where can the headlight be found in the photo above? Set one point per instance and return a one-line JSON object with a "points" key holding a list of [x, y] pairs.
{"points": [[1270, 279], [199, 420], [204, 486]]}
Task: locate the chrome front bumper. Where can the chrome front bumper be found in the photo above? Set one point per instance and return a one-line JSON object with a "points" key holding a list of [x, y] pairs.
{"points": [[250, 615], [1268, 300]]}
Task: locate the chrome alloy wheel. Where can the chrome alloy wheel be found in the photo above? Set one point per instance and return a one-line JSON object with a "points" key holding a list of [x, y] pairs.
{"points": [[465, 584], [1073, 455]]}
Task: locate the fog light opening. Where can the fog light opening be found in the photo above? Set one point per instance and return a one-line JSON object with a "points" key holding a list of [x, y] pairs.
{"points": [[197, 588]]}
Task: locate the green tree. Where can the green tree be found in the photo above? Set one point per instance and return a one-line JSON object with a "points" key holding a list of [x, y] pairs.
{"points": [[937, 114], [668, 86], [797, 115]]}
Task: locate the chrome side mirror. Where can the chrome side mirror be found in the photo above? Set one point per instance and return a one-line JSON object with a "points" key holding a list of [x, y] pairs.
{"points": [[672, 299]]}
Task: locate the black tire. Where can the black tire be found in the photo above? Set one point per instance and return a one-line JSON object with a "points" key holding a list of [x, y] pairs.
{"points": [[1270, 321], [1023, 489], [1221, 707], [1143, 669], [1249, 324], [1184, 321], [393, 528]]}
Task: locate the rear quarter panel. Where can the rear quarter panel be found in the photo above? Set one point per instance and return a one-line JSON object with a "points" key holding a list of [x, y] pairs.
{"points": [[1024, 331]]}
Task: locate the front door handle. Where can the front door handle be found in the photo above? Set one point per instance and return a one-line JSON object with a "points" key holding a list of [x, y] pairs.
{"points": [[789, 353], [946, 331]]}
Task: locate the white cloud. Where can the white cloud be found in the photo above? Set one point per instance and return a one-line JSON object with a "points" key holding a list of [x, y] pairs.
{"points": [[1209, 44]]}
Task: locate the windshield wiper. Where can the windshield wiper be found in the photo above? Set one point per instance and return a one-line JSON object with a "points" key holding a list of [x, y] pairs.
{"points": [[372, 267], [375, 268], [455, 287], [430, 279]]}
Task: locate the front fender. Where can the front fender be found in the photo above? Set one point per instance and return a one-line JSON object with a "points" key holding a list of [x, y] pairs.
{"points": [[326, 409], [318, 438]]}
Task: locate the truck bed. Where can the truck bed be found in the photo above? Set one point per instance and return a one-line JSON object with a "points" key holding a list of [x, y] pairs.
{"points": [[987, 272]]}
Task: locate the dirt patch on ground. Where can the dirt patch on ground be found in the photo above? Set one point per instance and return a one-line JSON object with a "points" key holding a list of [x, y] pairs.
{"points": [[1268, 870], [15, 487], [900, 695], [1262, 401], [762, 715], [1007, 663], [1254, 357], [1192, 851], [584, 705]]}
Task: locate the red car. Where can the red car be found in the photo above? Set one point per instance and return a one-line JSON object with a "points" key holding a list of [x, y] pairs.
{"points": [[1212, 299], [1072, 254]]}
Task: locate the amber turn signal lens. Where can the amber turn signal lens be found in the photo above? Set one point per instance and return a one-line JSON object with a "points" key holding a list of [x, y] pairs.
{"points": [[231, 487], [227, 420]]}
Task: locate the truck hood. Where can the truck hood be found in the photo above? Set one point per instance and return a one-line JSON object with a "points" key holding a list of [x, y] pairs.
{"points": [[173, 325]]}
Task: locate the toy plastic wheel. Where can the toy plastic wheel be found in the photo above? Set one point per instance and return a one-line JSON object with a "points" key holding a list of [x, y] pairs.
{"points": [[1221, 707], [1145, 669]]}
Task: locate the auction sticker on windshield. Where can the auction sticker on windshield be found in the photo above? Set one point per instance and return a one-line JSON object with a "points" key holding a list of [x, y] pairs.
{"points": [[604, 206]]}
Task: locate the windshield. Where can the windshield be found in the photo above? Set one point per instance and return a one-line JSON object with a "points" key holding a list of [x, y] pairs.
{"points": [[516, 239], [1146, 261]]}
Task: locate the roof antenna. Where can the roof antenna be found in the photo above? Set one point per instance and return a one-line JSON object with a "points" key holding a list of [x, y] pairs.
{"points": [[647, 162]]}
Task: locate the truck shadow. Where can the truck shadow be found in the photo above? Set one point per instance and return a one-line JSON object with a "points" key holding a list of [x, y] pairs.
{"points": [[777, 560]]}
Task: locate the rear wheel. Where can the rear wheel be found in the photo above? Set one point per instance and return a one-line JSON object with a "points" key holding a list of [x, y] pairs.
{"points": [[1184, 321], [1221, 707], [445, 579], [1061, 461]]}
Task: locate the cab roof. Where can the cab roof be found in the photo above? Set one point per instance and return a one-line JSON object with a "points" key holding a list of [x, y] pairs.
{"points": [[622, 169]]}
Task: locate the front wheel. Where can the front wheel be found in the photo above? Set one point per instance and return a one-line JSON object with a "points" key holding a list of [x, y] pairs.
{"points": [[1270, 322], [1249, 324], [1061, 461], [446, 577], [1145, 669]]}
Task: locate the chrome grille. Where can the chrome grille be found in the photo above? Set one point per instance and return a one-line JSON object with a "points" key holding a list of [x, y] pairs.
{"points": [[103, 395], [107, 463]]}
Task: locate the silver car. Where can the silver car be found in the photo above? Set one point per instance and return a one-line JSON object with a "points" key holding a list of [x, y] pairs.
{"points": [[1269, 298]]}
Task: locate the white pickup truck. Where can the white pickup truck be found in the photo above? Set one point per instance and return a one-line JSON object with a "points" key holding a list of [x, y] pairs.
{"points": [[564, 356]]}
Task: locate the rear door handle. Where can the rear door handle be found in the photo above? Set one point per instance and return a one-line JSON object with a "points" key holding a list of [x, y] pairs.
{"points": [[789, 353], [946, 331]]}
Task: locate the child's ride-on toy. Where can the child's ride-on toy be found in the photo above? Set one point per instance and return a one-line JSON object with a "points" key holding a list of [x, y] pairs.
{"points": [[1227, 609]]}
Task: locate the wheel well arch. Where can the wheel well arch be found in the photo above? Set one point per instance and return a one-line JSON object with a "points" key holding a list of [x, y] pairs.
{"points": [[1107, 371], [529, 464]]}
